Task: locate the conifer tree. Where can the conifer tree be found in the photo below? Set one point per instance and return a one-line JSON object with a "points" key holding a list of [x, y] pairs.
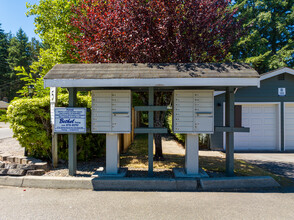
{"points": [[269, 43]]}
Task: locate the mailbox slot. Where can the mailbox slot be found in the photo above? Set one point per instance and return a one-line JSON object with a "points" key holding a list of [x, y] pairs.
{"points": [[111, 111], [193, 111]]}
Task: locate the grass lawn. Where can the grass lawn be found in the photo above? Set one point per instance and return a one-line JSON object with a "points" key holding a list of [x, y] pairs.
{"points": [[136, 157]]}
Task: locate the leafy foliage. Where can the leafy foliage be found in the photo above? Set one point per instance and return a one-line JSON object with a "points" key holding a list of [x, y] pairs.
{"points": [[52, 24], [3, 117], [269, 43], [158, 31], [153, 31], [30, 122]]}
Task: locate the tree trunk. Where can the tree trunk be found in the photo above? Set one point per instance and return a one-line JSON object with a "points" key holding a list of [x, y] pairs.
{"points": [[161, 99]]}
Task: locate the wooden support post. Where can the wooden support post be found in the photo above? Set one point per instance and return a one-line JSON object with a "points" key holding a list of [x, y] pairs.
{"points": [[191, 157], [150, 135], [72, 139], [112, 153], [54, 149], [229, 122]]}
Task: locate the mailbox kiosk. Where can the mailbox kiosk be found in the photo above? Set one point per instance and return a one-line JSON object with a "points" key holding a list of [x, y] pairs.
{"points": [[193, 114], [192, 84], [111, 114]]}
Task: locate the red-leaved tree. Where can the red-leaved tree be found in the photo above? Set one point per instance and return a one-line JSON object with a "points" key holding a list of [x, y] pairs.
{"points": [[153, 31]]}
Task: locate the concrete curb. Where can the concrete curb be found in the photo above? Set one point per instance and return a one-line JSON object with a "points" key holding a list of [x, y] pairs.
{"points": [[238, 183], [145, 184], [57, 182], [47, 182], [138, 184]]}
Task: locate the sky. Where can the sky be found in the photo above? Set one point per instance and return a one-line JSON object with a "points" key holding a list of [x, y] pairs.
{"points": [[12, 17]]}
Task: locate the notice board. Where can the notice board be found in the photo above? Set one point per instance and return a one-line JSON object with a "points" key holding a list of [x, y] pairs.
{"points": [[70, 120]]}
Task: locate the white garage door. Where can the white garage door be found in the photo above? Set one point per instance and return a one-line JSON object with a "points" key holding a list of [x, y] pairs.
{"points": [[289, 126], [263, 121]]}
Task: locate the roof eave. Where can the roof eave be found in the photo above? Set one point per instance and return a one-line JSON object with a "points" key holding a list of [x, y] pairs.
{"points": [[152, 82]]}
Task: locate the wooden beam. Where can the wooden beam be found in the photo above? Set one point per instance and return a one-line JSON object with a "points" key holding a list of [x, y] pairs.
{"points": [[150, 135], [151, 130], [229, 122], [229, 129], [151, 108]]}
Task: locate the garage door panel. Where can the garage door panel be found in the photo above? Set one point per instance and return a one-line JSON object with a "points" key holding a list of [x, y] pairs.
{"points": [[269, 121], [257, 110], [289, 126], [290, 122], [269, 110], [262, 119], [256, 121], [245, 121]]}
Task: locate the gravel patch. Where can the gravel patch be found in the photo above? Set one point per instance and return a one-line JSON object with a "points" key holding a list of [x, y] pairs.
{"points": [[84, 169], [11, 146]]}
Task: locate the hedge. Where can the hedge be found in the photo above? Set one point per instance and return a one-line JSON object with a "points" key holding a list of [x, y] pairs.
{"points": [[2, 115], [30, 122]]}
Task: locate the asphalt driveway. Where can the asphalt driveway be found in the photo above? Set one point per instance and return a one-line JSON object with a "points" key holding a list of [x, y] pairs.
{"points": [[5, 131], [278, 163]]}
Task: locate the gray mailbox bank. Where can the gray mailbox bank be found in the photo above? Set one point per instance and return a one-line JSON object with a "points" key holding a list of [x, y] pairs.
{"points": [[193, 86]]}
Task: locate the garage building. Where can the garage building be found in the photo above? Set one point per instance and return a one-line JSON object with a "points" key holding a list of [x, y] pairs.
{"points": [[268, 111]]}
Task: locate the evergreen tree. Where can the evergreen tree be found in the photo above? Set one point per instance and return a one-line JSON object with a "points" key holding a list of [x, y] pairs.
{"points": [[35, 47], [269, 43], [4, 67], [18, 56], [3, 52], [19, 51]]}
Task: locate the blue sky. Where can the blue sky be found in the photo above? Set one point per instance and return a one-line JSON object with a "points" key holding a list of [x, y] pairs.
{"points": [[12, 17]]}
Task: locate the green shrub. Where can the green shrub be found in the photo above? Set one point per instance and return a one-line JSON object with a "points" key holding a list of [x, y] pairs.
{"points": [[30, 122], [3, 117]]}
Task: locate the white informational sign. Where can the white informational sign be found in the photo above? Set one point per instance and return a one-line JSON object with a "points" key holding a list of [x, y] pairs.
{"points": [[70, 120], [53, 100], [52, 107], [282, 91], [52, 94]]}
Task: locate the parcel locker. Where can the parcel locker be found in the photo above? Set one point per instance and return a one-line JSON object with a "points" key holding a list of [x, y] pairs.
{"points": [[111, 111], [193, 111]]}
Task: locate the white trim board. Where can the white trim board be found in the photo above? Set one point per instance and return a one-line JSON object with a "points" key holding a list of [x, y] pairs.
{"points": [[152, 82], [277, 72], [260, 103], [267, 75]]}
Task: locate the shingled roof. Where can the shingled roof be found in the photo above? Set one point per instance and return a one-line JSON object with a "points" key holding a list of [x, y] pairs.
{"points": [[141, 74], [141, 71]]}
